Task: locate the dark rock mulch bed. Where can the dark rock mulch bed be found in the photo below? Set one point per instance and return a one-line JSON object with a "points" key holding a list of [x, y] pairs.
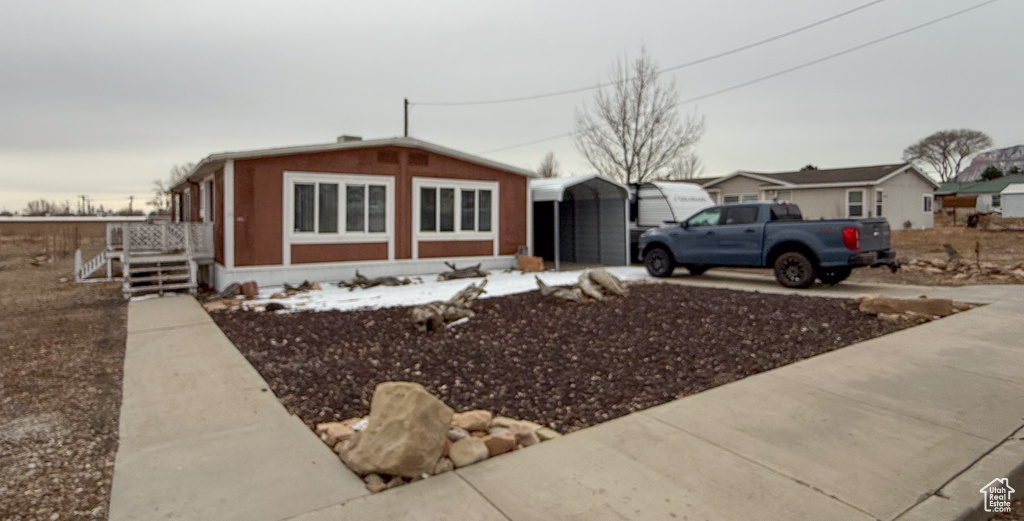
{"points": [[567, 365]]}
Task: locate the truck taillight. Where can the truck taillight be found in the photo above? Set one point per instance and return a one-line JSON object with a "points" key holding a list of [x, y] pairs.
{"points": [[851, 238]]}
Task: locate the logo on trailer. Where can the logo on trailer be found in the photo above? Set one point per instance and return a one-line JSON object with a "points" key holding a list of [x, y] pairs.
{"points": [[997, 495]]}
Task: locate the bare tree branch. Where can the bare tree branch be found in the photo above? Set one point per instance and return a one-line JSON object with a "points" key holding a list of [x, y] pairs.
{"points": [[548, 166], [633, 132], [945, 150]]}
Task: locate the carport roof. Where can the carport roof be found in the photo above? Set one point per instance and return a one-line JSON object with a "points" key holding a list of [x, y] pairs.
{"points": [[553, 189]]}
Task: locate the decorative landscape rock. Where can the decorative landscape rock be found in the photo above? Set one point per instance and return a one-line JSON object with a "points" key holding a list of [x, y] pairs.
{"points": [[406, 432], [498, 444], [457, 433], [334, 432], [443, 465], [472, 420], [468, 451], [524, 434]]}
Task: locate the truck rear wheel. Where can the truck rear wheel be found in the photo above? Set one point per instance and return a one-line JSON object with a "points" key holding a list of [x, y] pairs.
{"points": [[833, 276], [794, 270], [659, 262]]}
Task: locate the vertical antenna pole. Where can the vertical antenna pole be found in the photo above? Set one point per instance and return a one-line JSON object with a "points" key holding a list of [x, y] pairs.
{"points": [[406, 117]]}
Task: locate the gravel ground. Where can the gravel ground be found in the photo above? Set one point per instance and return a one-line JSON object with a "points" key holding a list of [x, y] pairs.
{"points": [[61, 357], [563, 364]]}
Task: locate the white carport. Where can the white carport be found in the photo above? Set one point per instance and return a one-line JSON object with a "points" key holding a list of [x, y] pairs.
{"points": [[581, 219], [1012, 200]]}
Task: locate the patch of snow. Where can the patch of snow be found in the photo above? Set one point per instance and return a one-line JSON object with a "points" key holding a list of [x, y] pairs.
{"points": [[331, 297]]}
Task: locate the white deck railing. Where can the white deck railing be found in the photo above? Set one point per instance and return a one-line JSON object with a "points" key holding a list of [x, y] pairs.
{"points": [[191, 239]]}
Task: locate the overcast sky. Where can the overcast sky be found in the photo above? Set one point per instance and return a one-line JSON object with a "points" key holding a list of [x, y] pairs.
{"points": [[102, 97]]}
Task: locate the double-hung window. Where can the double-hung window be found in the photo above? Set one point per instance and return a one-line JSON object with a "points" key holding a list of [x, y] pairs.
{"points": [[878, 203], [459, 208], [326, 206], [855, 203]]}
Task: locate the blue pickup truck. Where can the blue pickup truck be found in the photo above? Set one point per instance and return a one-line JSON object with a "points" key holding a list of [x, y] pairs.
{"points": [[768, 235]]}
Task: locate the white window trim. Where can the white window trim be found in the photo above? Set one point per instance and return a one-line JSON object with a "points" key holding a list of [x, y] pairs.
{"points": [[207, 195], [930, 201], [863, 197], [341, 236], [757, 197], [458, 235], [876, 203]]}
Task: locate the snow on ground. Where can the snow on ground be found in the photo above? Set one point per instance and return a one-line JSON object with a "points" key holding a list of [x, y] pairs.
{"points": [[331, 297]]}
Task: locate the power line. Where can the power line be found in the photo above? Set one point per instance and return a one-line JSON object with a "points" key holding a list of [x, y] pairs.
{"points": [[666, 69], [785, 71]]}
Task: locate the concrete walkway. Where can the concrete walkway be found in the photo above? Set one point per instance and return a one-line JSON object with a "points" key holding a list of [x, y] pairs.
{"points": [[201, 435], [870, 431]]}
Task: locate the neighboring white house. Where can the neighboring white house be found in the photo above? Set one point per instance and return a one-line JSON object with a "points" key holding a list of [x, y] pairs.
{"points": [[899, 192], [1012, 199]]}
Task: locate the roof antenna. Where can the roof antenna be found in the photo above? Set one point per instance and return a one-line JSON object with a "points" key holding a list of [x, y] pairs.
{"points": [[406, 117]]}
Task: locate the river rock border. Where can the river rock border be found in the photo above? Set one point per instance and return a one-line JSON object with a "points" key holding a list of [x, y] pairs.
{"points": [[410, 435]]}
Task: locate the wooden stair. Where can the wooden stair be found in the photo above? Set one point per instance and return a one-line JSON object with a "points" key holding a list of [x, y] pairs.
{"points": [[159, 274]]}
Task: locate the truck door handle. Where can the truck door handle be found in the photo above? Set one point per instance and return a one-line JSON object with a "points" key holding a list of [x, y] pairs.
{"points": [[749, 230], [709, 233]]}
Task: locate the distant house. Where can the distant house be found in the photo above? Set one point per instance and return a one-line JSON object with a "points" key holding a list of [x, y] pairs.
{"points": [[899, 192], [977, 196], [395, 206], [1013, 200]]}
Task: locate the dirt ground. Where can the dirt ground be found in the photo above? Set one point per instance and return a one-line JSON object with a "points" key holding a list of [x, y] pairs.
{"points": [[566, 365], [1002, 247], [62, 351]]}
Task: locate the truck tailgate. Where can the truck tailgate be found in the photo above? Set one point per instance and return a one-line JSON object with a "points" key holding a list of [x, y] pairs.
{"points": [[874, 234]]}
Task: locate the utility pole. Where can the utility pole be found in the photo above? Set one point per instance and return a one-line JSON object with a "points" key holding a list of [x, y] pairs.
{"points": [[406, 117]]}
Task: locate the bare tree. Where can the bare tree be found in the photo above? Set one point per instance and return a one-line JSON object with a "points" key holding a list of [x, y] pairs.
{"points": [[548, 166], [633, 132], [161, 200], [685, 168], [945, 150]]}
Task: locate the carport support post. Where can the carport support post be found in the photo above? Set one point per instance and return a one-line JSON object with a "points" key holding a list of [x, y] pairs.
{"points": [[557, 228]]}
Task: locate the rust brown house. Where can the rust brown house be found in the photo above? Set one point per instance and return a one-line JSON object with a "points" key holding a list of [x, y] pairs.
{"points": [[385, 207]]}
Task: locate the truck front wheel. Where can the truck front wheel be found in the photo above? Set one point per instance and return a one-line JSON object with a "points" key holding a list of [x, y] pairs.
{"points": [[794, 270], [659, 262]]}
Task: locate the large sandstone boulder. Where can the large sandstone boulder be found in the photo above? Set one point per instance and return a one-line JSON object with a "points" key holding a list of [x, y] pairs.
{"points": [[406, 432], [931, 307]]}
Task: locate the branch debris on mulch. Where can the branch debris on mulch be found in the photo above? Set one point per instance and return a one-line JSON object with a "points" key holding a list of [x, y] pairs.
{"points": [[564, 364]]}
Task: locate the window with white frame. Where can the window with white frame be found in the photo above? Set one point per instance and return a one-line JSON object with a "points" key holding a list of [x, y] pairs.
{"points": [[878, 203], [927, 203], [997, 200], [740, 198], [455, 207], [186, 205], [855, 203], [325, 206]]}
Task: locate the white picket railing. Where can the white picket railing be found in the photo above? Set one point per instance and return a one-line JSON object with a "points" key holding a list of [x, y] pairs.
{"points": [[191, 239]]}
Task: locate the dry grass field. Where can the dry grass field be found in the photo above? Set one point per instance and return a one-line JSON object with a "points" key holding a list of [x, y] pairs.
{"points": [[62, 351]]}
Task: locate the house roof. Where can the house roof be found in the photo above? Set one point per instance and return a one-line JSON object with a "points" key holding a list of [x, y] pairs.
{"points": [[1013, 188], [980, 187], [213, 162], [874, 174], [553, 189]]}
